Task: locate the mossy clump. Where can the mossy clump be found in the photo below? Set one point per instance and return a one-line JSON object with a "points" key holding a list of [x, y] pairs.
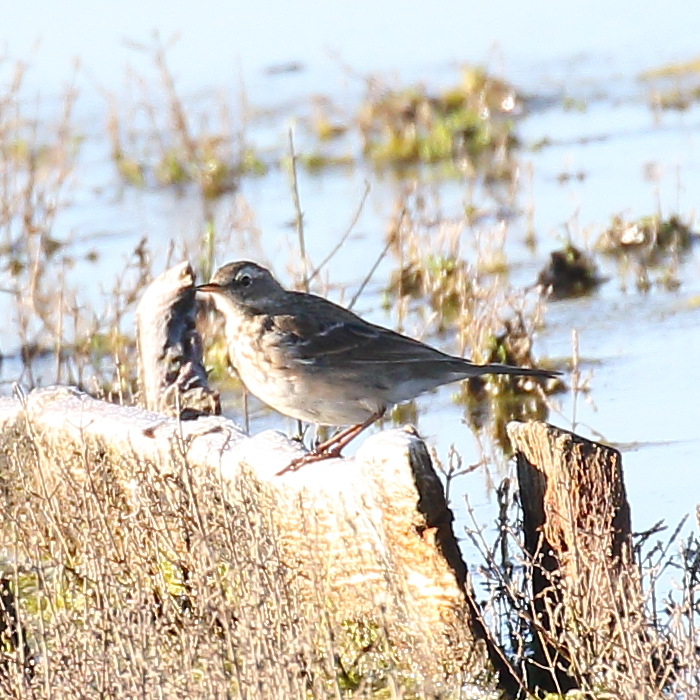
{"points": [[327, 129], [675, 86], [250, 163], [316, 161], [171, 169], [465, 123], [443, 281], [570, 273], [512, 346], [650, 238], [130, 171], [206, 163]]}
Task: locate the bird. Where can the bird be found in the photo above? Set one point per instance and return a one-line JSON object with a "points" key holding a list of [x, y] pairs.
{"points": [[316, 361]]}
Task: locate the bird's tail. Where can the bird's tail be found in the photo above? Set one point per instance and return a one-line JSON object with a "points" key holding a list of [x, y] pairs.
{"points": [[496, 368]]}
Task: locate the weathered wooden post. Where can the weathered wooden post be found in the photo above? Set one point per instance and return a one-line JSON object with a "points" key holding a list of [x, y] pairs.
{"points": [[171, 373], [586, 600]]}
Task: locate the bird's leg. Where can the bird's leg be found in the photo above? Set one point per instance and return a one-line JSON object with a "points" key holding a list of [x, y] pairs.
{"points": [[321, 435], [333, 446], [301, 429]]}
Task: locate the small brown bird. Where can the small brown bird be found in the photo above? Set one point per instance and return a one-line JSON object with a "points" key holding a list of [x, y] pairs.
{"points": [[313, 360]]}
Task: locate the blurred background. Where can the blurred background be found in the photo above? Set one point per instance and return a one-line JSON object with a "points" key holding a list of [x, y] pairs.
{"points": [[512, 181]]}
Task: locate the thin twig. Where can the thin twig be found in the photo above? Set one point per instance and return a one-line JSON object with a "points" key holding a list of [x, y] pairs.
{"points": [[246, 411], [298, 214], [177, 111], [209, 245], [381, 257], [299, 223], [575, 376], [345, 236], [59, 329]]}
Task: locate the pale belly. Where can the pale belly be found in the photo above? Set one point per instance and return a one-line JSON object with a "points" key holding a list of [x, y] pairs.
{"points": [[310, 400], [324, 399]]}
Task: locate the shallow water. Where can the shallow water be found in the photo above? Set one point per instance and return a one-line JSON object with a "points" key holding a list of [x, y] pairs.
{"points": [[641, 349]]}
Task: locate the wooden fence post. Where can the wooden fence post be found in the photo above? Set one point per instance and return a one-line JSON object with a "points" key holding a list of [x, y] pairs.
{"points": [[586, 600]]}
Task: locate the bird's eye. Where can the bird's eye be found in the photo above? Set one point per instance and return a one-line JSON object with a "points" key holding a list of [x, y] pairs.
{"points": [[245, 280]]}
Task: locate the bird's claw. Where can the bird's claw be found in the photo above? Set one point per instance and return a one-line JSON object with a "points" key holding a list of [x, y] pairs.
{"points": [[309, 458]]}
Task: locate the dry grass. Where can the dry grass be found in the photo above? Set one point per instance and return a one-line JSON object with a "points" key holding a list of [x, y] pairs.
{"points": [[611, 632], [87, 346], [124, 579], [36, 162]]}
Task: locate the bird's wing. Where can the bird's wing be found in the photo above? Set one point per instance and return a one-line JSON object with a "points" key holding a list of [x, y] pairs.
{"points": [[336, 335]]}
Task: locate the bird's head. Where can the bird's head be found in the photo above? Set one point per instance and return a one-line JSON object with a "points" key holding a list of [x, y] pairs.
{"points": [[243, 286]]}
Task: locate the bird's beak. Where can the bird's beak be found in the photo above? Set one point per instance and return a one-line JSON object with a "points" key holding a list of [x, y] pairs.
{"points": [[209, 287]]}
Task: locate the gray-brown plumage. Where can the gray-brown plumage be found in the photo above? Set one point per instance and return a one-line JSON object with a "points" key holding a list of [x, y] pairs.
{"points": [[311, 359]]}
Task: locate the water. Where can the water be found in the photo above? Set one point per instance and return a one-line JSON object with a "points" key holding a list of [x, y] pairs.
{"points": [[642, 349], [538, 42]]}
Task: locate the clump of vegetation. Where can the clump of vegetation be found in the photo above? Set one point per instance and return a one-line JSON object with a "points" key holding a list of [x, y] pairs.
{"points": [[315, 161], [673, 87], [429, 266], [674, 98], [326, 123], [650, 238], [570, 273], [467, 125], [442, 281], [495, 400], [167, 151]]}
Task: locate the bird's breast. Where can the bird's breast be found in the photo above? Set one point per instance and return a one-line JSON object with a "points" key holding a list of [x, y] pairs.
{"points": [[265, 361]]}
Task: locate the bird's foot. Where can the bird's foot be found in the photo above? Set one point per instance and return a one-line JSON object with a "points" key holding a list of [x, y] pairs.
{"points": [[308, 458], [332, 447]]}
